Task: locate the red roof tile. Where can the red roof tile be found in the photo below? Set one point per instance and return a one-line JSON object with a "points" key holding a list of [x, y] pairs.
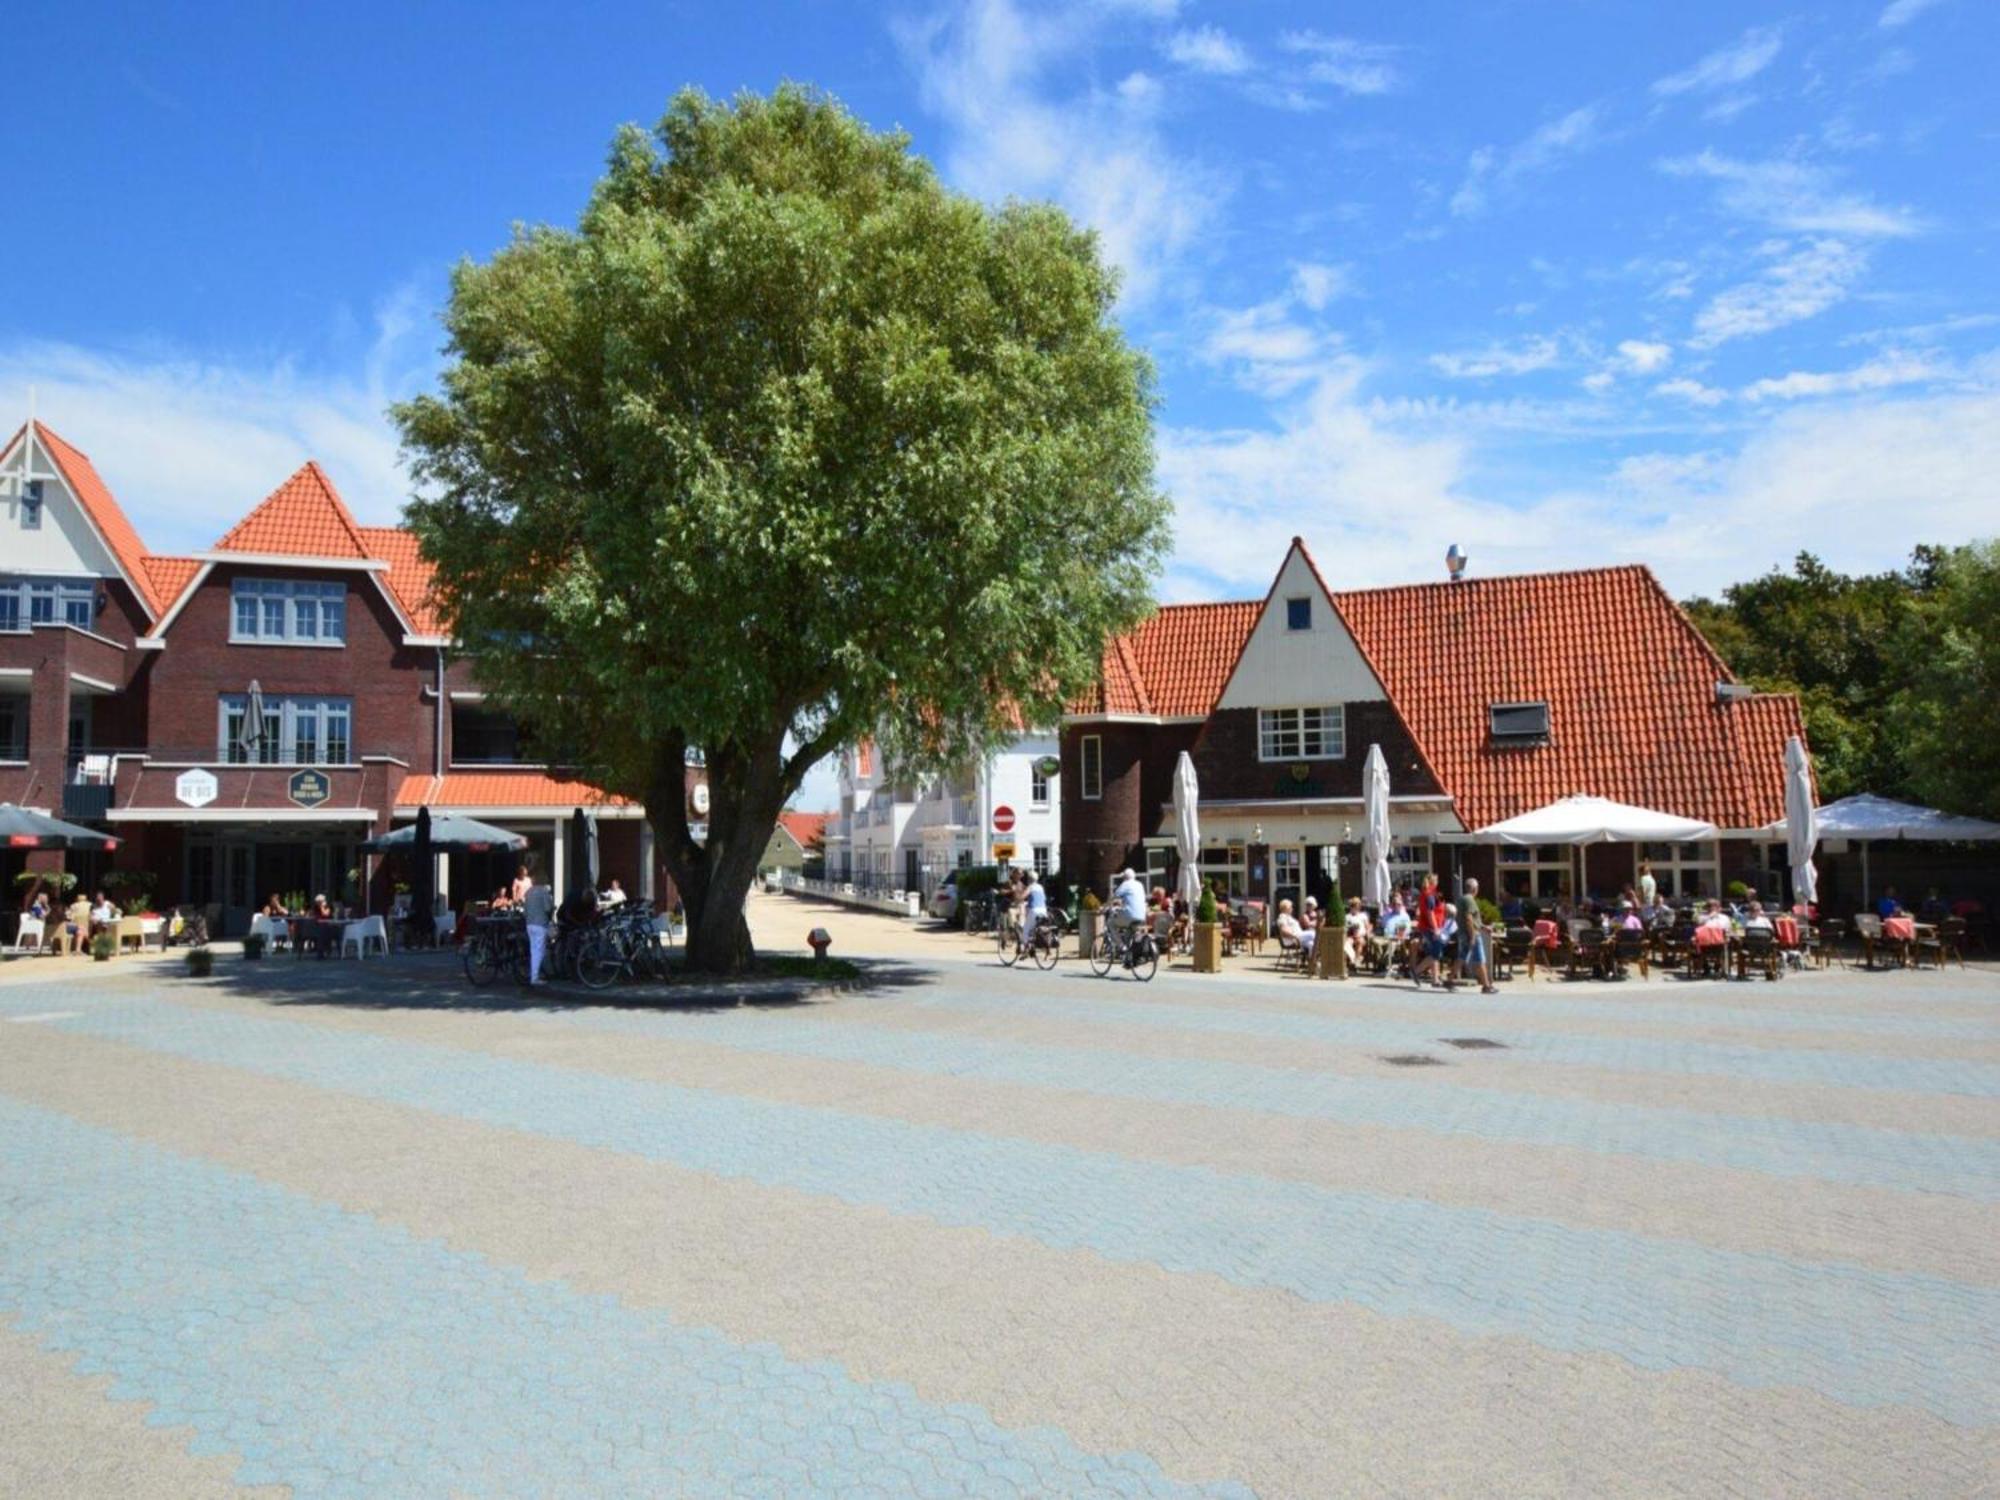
{"points": [[409, 575], [1175, 663], [1630, 685], [502, 789], [104, 511], [804, 826], [169, 577], [303, 517]]}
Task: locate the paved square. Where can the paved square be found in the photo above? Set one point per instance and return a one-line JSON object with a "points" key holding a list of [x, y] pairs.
{"points": [[357, 1230]]}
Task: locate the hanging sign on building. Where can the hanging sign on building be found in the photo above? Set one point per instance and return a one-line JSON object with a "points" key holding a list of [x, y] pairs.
{"points": [[309, 788], [195, 788], [1003, 819]]}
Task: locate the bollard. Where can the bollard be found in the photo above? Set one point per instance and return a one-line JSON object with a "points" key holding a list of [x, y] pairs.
{"points": [[819, 940]]}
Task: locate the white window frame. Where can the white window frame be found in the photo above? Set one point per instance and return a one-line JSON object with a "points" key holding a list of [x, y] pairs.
{"points": [[1090, 767], [283, 717], [277, 611], [1409, 861], [1038, 786], [1232, 862], [1041, 857], [67, 601], [1535, 860], [1287, 734], [1683, 869]]}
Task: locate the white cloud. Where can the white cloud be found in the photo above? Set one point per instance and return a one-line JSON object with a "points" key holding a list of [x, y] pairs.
{"points": [[1643, 358], [1268, 349], [1488, 168], [189, 445], [1522, 358], [1794, 196], [1876, 375], [1353, 67], [1800, 282], [1727, 66], [1315, 283], [982, 67], [1902, 12], [1691, 390], [1208, 49]]}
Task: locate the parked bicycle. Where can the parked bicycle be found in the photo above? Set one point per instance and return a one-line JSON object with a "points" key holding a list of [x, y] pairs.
{"points": [[1132, 945], [496, 946], [1046, 947], [628, 942]]}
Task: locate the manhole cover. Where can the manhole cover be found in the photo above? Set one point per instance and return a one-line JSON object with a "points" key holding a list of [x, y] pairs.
{"points": [[1472, 1043], [1414, 1060]]}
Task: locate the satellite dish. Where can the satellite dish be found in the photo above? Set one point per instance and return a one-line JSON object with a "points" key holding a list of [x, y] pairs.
{"points": [[1455, 561]]}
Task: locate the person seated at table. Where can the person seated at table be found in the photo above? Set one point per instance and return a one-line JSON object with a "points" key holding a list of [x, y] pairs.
{"points": [[1396, 920], [1512, 910], [1438, 944], [1290, 930], [37, 907], [275, 907], [1754, 919], [1889, 906], [1713, 928], [1628, 916], [614, 894], [503, 900], [103, 914], [76, 923], [322, 909], [1356, 930]]}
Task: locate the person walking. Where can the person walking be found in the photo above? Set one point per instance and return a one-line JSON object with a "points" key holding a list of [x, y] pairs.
{"points": [[538, 906], [1474, 940]]}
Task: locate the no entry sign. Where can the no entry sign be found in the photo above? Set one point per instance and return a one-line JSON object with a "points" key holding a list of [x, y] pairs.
{"points": [[1003, 819]]}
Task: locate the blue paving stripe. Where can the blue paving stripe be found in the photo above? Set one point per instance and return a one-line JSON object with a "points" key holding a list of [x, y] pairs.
{"points": [[1855, 1070], [1958, 1165], [1866, 1337], [345, 1357]]}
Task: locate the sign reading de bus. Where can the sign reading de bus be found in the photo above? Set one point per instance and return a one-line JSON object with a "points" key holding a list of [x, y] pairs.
{"points": [[196, 788], [1003, 850], [1003, 819], [309, 788]]}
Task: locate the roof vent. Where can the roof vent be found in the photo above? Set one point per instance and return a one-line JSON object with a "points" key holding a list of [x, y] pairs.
{"points": [[1455, 561], [1732, 692]]}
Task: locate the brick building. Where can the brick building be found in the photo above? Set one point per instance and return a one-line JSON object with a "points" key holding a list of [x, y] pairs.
{"points": [[127, 679], [1489, 697]]}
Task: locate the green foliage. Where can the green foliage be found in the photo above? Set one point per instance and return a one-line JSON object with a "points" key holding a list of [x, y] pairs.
{"points": [[974, 880], [200, 963], [1736, 890], [103, 946], [1205, 910], [784, 439], [60, 881], [1489, 912], [1898, 674]]}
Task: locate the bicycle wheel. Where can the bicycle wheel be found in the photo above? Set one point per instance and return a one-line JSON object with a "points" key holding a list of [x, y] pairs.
{"points": [[1010, 946], [517, 958], [1101, 956], [482, 965], [1146, 962], [601, 961], [1048, 948]]}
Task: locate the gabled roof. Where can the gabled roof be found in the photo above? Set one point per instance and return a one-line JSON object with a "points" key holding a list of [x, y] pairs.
{"points": [[1629, 681], [101, 509], [503, 789], [1174, 664], [804, 827], [409, 575], [303, 517], [169, 576]]}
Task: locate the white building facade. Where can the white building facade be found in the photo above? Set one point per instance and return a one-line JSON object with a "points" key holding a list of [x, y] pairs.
{"points": [[897, 833]]}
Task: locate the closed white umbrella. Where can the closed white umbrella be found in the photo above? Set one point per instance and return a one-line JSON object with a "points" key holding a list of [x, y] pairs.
{"points": [[1375, 842], [1187, 829], [1801, 825]]}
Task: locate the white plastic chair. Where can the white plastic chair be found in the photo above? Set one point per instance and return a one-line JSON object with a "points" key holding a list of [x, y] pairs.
{"points": [[30, 937], [446, 929], [358, 936]]}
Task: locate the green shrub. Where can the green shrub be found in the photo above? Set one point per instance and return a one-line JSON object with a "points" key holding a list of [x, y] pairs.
{"points": [[253, 946], [974, 880], [200, 963], [1738, 890], [1205, 909], [103, 946], [1489, 911]]}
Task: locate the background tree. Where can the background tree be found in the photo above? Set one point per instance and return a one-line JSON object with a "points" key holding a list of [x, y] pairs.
{"points": [[1946, 718], [783, 445]]}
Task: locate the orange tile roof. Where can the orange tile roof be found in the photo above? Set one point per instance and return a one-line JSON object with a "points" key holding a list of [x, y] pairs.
{"points": [[169, 576], [303, 517], [803, 826], [101, 507], [409, 575], [1629, 681], [1173, 664], [503, 789]]}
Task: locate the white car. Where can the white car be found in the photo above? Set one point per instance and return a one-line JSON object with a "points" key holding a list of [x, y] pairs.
{"points": [[944, 900]]}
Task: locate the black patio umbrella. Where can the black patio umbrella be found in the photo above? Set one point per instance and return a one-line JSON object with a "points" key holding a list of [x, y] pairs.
{"points": [[579, 876], [422, 877], [24, 828], [450, 834]]}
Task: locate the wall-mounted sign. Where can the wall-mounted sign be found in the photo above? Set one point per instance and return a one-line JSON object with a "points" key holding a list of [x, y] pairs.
{"points": [[309, 788], [1050, 766], [195, 788], [701, 799], [1003, 850], [1003, 819]]}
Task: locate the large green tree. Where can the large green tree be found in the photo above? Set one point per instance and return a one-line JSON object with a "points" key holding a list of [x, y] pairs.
{"points": [[1947, 715], [783, 445]]}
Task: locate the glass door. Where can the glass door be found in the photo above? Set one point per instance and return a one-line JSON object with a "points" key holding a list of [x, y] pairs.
{"points": [[1288, 877]]}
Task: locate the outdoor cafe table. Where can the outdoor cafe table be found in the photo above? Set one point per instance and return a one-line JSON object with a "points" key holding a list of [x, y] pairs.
{"points": [[322, 933]]}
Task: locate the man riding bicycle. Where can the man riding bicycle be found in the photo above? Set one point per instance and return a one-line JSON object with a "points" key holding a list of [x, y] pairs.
{"points": [[1034, 910]]}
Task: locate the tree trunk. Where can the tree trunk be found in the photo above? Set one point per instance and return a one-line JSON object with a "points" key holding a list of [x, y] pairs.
{"points": [[746, 792]]}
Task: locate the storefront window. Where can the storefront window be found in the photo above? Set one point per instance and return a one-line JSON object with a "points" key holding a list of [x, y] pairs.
{"points": [[1228, 867], [1683, 871], [1539, 871]]}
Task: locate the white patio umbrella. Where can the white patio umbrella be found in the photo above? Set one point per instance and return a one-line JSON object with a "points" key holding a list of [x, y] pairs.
{"points": [[1593, 820], [1801, 831], [1187, 829], [1866, 818], [1375, 842]]}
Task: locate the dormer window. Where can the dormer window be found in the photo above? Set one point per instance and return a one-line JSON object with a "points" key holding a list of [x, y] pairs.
{"points": [[288, 612], [1519, 724], [1299, 614]]}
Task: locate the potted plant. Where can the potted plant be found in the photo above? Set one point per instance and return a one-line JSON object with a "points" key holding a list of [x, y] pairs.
{"points": [[1207, 934], [1089, 919], [200, 963], [253, 946], [1330, 947], [103, 946]]}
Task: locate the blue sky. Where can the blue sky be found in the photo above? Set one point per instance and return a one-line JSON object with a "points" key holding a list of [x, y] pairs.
{"points": [[1695, 284]]}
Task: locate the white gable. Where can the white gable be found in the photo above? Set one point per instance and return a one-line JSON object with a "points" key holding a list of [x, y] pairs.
{"points": [[1281, 666], [65, 543]]}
